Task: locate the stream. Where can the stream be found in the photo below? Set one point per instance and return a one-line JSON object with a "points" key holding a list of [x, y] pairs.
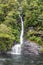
{"points": [[21, 60]]}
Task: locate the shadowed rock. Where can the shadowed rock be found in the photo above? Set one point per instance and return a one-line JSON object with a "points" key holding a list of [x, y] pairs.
{"points": [[30, 48]]}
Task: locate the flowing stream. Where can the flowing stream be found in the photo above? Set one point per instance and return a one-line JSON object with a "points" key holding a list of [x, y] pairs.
{"points": [[16, 49]]}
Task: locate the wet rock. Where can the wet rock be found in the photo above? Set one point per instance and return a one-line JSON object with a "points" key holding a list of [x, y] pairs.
{"points": [[30, 48]]}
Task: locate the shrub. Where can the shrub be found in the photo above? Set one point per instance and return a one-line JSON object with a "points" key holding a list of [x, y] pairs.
{"points": [[36, 39], [6, 37], [32, 38]]}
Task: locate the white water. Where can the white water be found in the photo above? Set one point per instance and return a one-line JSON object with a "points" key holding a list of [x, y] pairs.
{"points": [[22, 31], [16, 49]]}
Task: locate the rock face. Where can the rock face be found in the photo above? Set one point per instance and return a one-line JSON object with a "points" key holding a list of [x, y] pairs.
{"points": [[30, 48]]}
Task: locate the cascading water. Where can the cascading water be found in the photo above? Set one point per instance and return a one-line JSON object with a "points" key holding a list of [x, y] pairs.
{"points": [[16, 49], [22, 31]]}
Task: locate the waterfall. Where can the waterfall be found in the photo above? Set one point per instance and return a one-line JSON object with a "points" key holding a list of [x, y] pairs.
{"points": [[22, 31], [16, 49]]}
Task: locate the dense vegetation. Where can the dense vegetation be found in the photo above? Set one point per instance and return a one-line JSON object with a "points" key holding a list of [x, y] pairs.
{"points": [[10, 24]]}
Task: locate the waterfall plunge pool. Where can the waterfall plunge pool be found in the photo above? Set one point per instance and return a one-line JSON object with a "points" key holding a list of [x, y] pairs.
{"points": [[21, 60]]}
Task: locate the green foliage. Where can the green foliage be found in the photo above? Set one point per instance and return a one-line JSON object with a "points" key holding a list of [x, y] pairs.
{"points": [[36, 39], [9, 24], [35, 35], [32, 11], [33, 17], [41, 50], [6, 37]]}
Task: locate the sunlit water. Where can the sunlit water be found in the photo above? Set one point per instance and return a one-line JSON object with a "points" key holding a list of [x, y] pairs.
{"points": [[21, 60]]}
